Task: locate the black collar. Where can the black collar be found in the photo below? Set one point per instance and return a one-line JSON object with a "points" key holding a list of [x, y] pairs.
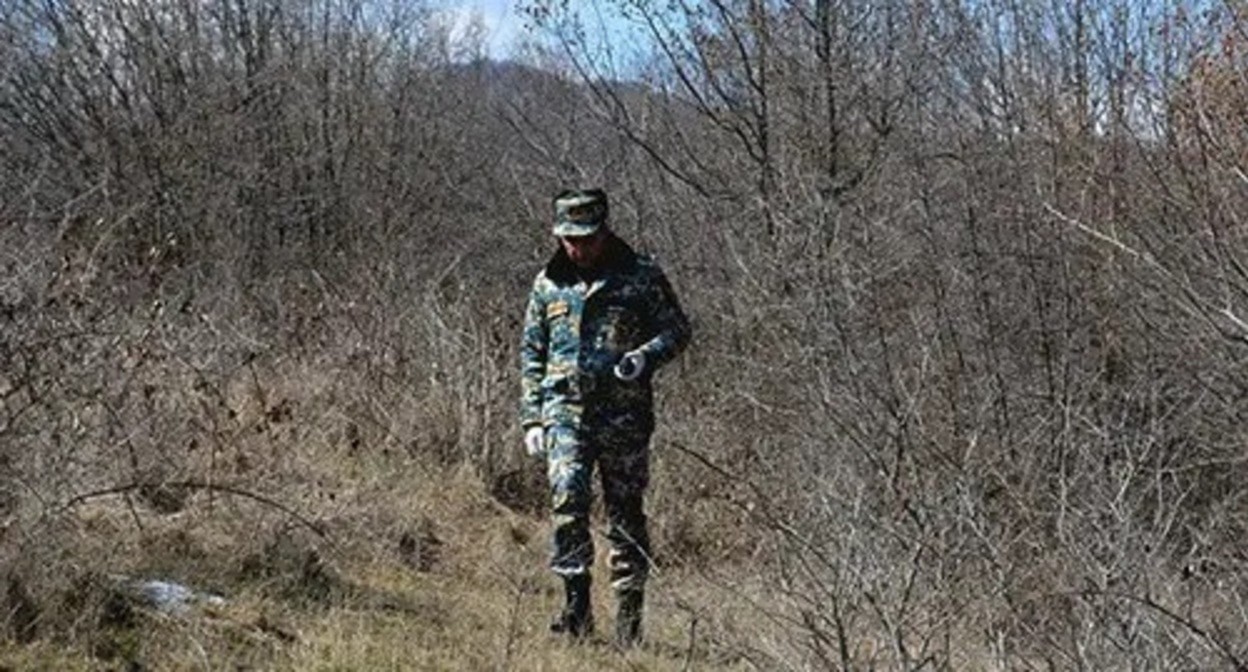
{"points": [[617, 257]]}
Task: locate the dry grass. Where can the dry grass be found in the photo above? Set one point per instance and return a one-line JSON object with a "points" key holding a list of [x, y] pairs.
{"points": [[472, 594], [335, 516]]}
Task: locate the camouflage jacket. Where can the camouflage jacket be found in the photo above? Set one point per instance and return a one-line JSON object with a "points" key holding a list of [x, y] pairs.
{"points": [[576, 330]]}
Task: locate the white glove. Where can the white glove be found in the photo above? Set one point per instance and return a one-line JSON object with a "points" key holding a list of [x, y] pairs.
{"points": [[534, 439], [631, 365]]}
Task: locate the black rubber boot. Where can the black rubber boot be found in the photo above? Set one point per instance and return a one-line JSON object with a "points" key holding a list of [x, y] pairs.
{"points": [[628, 618], [576, 620]]}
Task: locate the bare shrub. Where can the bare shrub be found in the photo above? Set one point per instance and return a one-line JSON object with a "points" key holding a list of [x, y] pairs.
{"points": [[969, 306], [967, 280]]}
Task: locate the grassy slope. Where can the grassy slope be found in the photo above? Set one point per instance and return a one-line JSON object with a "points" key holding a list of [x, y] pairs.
{"points": [[483, 603]]}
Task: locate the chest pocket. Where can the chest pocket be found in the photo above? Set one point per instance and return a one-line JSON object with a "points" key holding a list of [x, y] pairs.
{"points": [[562, 321], [621, 329]]}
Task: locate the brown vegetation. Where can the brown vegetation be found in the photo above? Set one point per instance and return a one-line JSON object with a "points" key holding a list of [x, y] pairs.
{"points": [[969, 283]]}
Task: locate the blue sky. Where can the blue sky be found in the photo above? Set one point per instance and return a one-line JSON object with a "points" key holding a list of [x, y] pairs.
{"points": [[502, 23], [505, 26]]}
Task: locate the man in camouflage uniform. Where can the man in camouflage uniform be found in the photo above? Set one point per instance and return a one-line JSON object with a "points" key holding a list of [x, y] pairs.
{"points": [[601, 319]]}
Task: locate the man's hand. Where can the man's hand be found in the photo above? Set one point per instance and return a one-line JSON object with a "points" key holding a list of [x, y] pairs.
{"points": [[631, 365], [534, 440]]}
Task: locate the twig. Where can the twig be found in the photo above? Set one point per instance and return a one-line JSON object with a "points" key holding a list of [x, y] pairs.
{"points": [[200, 485], [1191, 301], [1209, 636], [134, 513], [513, 620], [1111, 240], [693, 640]]}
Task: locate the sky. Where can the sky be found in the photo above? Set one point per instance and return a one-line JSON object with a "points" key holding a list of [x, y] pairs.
{"points": [[502, 23], [505, 26]]}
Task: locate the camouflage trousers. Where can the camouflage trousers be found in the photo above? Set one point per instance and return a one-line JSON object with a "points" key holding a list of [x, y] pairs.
{"points": [[622, 458]]}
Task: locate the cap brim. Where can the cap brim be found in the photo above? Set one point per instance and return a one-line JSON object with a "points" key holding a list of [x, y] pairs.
{"points": [[574, 229]]}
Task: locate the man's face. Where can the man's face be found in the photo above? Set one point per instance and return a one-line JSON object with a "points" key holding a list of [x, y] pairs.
{"points": [[585, 251]]}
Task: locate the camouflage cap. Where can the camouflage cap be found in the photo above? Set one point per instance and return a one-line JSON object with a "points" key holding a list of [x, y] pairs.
{"points": [[580, 212]]}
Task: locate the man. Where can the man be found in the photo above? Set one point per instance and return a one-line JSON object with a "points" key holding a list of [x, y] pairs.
{"points": [[601, 319]]}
